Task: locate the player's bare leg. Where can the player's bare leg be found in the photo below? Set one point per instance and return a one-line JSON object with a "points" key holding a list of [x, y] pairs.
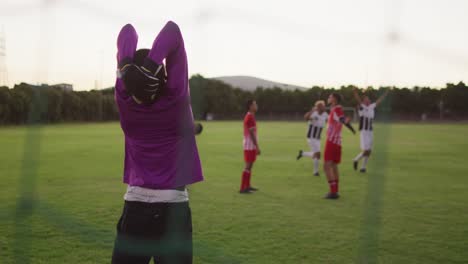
{"points": [[336, 175], [305, 154], [357, 159], [327, 169], [366, 155], [316, 159]]}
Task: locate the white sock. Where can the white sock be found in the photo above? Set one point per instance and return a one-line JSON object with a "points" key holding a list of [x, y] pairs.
{"points": [[307, 154], [316, 165], [364, 162], [359, 156]]}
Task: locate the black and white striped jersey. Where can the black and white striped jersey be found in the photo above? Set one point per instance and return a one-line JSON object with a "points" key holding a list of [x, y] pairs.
{"points": [[316, 124], [366, 116]]}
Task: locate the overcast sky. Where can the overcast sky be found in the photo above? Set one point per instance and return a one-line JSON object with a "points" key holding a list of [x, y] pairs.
{"points": [[327, 42]]}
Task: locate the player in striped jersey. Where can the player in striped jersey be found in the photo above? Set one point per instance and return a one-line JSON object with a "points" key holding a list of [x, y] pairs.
{"points": [[317, 118], [251, 148], [366, 111], [332, 153]]}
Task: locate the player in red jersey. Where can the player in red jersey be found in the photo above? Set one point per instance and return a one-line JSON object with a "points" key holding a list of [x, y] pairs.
{"points": [[251, 148], [336, 120]]}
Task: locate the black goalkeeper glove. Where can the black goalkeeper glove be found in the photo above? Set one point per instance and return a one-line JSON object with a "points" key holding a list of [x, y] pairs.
{"points": [[198, 128]]}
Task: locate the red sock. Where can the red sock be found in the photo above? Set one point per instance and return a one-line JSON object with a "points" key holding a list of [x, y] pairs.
{"points": [[244, 181], [248, 174], [333, 186], [337, 184]]}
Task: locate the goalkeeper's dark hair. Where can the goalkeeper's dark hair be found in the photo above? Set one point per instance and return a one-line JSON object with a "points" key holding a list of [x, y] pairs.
{"points": [[337, 97], [140, 56], [249, 103]]}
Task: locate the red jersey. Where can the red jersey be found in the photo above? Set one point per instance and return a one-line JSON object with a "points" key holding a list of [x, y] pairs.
{"points": [[334, 125], [249, 122]]}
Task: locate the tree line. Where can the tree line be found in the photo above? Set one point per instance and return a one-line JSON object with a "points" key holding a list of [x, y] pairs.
{"points": [[224, 101], [26, 103]]}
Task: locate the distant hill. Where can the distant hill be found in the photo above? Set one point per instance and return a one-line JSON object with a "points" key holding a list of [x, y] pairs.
{"points": [[250, 83]]}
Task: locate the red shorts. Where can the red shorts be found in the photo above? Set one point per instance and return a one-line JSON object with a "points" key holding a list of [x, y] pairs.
{"points": [[332, 152], [250, 155]]}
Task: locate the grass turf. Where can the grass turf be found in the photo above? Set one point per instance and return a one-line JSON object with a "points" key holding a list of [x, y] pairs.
{"points": [[61, 196]]}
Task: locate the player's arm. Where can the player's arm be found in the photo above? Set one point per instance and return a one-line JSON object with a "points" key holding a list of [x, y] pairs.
{"points": [[347, 122], [308, 114], [339, 116], [254, 139], [381, 97], [356, 96], [168, 41], [126, 45]]}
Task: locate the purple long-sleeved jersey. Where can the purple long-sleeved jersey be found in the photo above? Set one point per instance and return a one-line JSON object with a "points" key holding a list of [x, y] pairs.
{"points": [[160, 147]]}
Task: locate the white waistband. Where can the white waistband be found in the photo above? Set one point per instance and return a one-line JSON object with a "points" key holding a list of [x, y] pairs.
{"points": [[140, 194]]}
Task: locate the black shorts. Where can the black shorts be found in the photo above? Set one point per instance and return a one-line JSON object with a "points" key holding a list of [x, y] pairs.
{"points": [[162, 231]]}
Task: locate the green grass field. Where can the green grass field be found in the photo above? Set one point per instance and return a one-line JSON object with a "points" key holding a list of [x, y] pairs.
{"points": [[411, 207]]}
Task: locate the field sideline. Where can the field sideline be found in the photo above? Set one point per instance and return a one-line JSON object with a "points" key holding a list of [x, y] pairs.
{"points": [[411, 207]]}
